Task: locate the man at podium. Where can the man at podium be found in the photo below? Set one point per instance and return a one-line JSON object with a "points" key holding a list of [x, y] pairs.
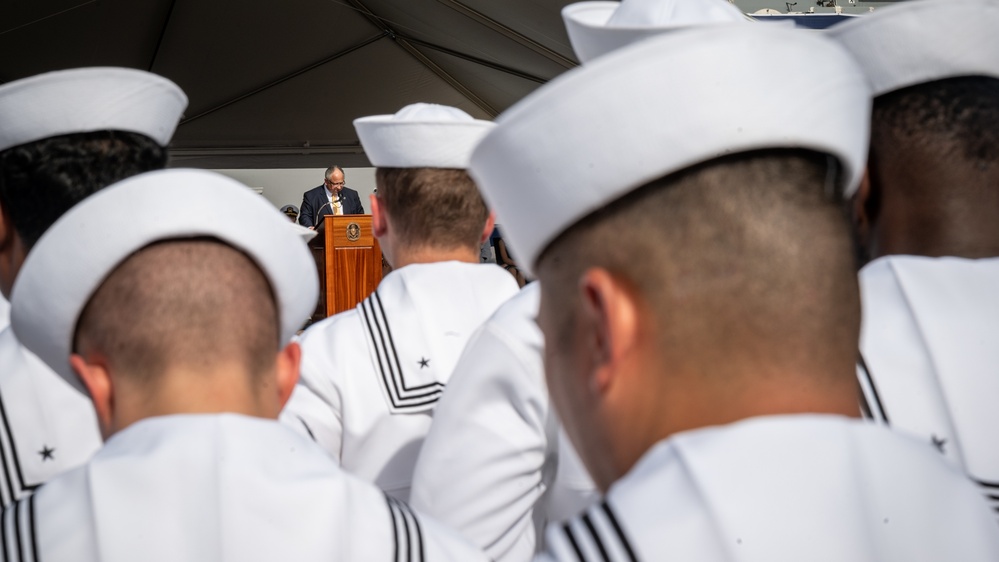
{"points": [[331, 198]]}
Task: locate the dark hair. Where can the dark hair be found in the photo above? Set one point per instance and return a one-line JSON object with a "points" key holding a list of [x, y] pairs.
{"points": [[959, 114], [41, 180], [435, 207], [934, 159]]}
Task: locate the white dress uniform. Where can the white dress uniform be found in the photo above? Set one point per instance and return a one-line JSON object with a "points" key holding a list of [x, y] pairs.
{"points": [[495, 465], [216, 488], [371, 376], [930, 348], [797, 487], [46, 426]]}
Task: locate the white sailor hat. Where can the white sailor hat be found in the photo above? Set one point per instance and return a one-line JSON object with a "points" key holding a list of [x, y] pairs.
{"points": [[597, 28], [77, 253], [922, 41], [659, 106], [83, 100], [421, 135], [306, 234]]}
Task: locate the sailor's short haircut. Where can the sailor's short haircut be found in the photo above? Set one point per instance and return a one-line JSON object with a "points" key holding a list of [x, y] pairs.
{"points": [[192, 303], [432, 207], [954, 123], [41, 180], [959, 117], [749, 247]]}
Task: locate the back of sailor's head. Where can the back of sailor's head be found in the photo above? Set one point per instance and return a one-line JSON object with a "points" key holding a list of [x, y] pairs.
{"points": [[742, 253], [422, 154], [721, 224], [934, 67], [178, 293], [66, 134], [194, 304]]}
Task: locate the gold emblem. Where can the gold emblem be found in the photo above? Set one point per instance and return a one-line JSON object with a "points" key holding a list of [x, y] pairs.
{"points": [[353, 232]]}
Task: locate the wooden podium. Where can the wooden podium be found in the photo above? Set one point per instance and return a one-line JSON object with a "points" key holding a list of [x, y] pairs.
{"points": [[353, 265]]}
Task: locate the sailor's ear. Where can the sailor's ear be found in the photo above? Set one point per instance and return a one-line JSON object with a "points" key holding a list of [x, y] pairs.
{"points": [[6, 226], [610, 316], [95, 374], [12, 252], [487, 230], [8, 271], [861, 198], [289, 361], [860, 212], [379, 222]]}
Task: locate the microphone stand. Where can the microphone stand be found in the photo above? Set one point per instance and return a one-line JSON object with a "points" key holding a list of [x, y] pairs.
{"points": [[315, 221], [320, 227]]}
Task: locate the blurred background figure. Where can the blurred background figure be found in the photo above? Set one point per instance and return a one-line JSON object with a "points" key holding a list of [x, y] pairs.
{"points": [[291, 212]]}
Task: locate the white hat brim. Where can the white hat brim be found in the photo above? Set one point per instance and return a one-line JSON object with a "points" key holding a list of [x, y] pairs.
{"points": [[390, 143], [657, 107], [83, 100], [586, 23], [76, 254], [306, 234], [922, 41]]}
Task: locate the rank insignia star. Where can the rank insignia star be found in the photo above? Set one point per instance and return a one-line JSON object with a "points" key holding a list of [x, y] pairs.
{"points": [[938, 442], [46, 453], [424, 362]]}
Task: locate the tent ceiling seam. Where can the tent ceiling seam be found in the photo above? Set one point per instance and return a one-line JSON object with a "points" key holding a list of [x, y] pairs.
{"points": [[159, 42], [509, 33], [476, 60], [352, 148], [285, 78], [444, 75], [43, 18], [378, 21]]}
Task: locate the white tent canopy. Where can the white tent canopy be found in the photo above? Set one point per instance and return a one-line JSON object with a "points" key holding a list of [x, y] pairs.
{"points": [[277, 84]]}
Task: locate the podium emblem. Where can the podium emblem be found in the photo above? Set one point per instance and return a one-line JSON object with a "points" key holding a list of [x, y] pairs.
{"points": [[353, 232]]}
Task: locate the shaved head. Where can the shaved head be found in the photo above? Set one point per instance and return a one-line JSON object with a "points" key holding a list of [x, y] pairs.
{"points": [[746, 256], [191, 304]]}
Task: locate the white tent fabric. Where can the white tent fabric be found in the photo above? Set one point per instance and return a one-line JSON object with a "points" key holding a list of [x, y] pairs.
{"points": [[277, 84]]}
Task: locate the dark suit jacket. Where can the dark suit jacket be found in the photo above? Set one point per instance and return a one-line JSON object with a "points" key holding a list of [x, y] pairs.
{"points": [[315, 200]]}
